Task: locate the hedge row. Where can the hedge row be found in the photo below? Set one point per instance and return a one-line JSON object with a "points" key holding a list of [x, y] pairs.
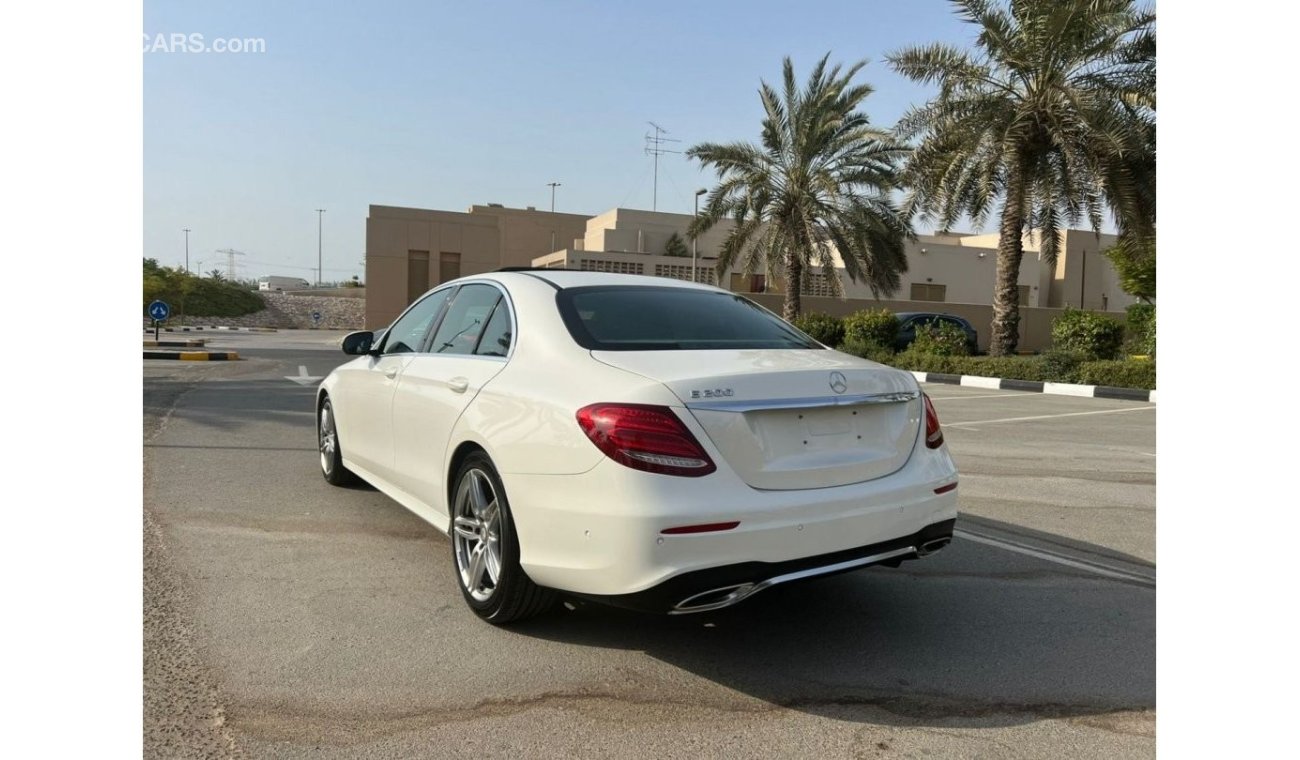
{"points": [[1125, 373], [1086, 347]]}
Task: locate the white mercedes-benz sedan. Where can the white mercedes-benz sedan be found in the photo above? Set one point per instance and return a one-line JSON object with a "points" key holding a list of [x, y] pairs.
{"points": [[642, 442]]}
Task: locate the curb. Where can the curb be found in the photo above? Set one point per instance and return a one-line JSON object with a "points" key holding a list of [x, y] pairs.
{"points": [[1036, 386], [193, 343], [213, 327], [193, 356]]}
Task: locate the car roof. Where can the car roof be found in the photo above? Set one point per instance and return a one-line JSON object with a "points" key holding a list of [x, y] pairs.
{"points": [[910, 314], [575, 278]]}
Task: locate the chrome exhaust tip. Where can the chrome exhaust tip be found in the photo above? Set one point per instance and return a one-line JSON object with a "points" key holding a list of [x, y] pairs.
{"points": [[713, 599], [932, 546]]}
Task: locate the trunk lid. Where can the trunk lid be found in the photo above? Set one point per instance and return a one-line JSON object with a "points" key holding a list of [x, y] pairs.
{"points": [[791, 419]]}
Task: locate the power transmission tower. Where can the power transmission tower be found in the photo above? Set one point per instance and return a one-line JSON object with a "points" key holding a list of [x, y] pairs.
{"points": [[654, 146], [230, 261]]}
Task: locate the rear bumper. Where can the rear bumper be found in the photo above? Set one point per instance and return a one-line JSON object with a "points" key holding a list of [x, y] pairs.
{"points": [[719, 587], [600, 533]]}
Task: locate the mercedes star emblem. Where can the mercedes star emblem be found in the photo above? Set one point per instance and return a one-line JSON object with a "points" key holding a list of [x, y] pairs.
{"points": [[839, 383]]}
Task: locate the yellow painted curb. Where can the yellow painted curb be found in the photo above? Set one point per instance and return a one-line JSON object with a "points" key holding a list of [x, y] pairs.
{"points": [[194, 356]]}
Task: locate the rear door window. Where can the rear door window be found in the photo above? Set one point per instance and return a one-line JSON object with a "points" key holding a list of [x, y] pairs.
{"points": [[497, 334], [466, 317]]}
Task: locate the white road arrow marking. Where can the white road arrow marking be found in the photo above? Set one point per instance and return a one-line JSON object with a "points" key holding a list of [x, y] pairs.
{"points": [[303, 378]]}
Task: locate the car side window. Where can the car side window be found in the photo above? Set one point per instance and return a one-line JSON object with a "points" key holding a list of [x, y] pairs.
{"points": [[466, 317], [407, 334], [497, 334]]}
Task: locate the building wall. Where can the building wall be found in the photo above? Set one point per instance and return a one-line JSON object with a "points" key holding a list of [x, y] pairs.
{"points": [[1084, 277], [483, 239], [968, 273], [486, 238], [633, 231]]}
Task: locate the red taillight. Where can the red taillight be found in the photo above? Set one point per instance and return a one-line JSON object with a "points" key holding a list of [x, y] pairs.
{"points": [[645, 437], [933, 434]]}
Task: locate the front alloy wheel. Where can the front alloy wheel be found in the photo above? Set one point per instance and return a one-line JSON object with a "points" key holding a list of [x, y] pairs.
{"points": [[331, 455]]}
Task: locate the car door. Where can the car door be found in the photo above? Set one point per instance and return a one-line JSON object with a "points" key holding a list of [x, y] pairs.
{"points": [[363, 409], [469, 348]]}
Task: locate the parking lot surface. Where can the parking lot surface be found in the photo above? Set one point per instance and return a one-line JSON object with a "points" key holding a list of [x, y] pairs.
{"points": [[287, 618]]}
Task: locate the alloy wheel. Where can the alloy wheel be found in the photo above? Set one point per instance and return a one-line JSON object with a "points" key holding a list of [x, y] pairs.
{"points": [[476, 531], [328, 439]]}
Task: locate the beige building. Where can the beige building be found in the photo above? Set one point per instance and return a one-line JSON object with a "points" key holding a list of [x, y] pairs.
{"points": [[411, 250]]}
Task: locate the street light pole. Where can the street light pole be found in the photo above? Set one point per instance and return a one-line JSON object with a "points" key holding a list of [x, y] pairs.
{"points": [[552, 185], [319, 260], [694, 238], [187, 250]]}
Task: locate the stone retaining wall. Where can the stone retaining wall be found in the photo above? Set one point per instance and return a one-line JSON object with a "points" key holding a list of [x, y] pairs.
{"points": [[293, 312]]}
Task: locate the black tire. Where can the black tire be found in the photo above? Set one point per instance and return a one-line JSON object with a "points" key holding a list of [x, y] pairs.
{"points": [[481, 524], [331, 453]]}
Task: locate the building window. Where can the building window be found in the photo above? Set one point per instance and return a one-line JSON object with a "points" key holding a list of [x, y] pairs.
{"points": [[679, 272], [748, 283], [814, 284], [1024, 295], [417, 274], [616, 267], [448, 266], [925, 291]]}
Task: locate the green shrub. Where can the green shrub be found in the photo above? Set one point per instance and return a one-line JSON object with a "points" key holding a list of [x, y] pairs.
{"points": [[1061, 366], [1128, 373], [1140, 329], [1013, 367], [878, 326], [822, 327], [1092, 334], [940, 339], [869, 351], [919, 361]]}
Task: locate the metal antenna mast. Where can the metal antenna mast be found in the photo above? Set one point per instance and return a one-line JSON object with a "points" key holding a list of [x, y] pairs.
{"points": [[230, 261], [654, 147]]}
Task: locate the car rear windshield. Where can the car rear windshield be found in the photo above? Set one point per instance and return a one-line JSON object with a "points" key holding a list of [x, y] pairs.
{"points": [[647, 318]]}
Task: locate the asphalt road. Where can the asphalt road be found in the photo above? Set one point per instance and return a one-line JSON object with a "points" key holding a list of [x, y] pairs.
{"points": [[287, 618]]}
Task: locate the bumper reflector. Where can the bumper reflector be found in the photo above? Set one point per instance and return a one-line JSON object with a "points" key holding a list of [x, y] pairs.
{"points": [[946, 489]]}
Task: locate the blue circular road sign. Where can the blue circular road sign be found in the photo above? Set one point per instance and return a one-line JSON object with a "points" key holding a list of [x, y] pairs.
{"points": [[159, 311]]}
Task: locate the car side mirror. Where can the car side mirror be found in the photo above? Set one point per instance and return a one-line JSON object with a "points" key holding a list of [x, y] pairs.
{"points": [[358, 343]]}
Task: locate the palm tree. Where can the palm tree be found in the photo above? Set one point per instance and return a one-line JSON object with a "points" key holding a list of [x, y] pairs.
{"points": [[1053, 113], [819, 183]]}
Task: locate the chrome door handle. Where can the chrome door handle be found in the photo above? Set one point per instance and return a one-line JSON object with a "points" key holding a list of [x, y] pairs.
{"points": [[458, 384], [391, 373]]}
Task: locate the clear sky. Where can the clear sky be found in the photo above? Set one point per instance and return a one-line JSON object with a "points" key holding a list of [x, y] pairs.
{"points": [[447, 104]]}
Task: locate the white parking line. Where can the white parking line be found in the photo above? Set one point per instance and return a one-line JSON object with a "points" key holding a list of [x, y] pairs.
{"points": [[970, 425], [1057, 558]]}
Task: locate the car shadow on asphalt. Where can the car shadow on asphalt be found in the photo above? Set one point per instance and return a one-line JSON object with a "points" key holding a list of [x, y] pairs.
{"points": [[973, 634]]}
